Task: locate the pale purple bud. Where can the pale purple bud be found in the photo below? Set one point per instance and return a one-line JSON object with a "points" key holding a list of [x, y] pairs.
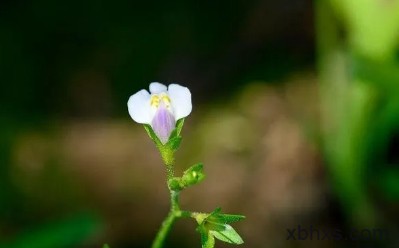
{"points": [[163, 123]]}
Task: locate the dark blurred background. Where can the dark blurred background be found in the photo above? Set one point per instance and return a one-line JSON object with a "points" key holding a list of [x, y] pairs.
{"points": [[295, 116]]}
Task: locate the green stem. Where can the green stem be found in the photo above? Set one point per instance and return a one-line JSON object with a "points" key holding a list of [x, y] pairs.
{"points": [[163, 232], [170, 172], [170, 219], [174, 211]]}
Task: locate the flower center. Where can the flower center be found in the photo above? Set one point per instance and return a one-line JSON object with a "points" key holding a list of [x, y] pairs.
{"points": [[158, 99]]}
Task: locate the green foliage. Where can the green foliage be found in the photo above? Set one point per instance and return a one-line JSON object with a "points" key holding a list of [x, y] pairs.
{"points": [[373, 25], [388, 180], [216, 225], [106, 246], [227, 234], [359, 76]]}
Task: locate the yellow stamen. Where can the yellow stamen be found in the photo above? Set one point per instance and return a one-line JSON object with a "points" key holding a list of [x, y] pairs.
{"points": [[154, 102], [166, 100]]}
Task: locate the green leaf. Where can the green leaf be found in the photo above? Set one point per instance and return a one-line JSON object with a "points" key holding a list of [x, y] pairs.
{"points": [[216, 211], [105, 246], [193, 175], [228, 235], [217, 224], [229, 218], [217, 216]]}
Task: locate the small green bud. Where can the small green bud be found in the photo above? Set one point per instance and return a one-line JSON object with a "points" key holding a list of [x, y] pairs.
{"points": [[193, 175]]}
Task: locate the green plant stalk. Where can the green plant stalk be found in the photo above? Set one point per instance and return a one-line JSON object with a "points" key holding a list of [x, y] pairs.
{"points": [[164, 230], [190, 177], [174, 211]]}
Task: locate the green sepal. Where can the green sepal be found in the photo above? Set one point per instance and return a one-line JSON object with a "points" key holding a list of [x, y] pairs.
{"points": [[152, 135], [179, 126], [193, 175], [174, 137], [174, 143], [176, 132], [167, 150]]}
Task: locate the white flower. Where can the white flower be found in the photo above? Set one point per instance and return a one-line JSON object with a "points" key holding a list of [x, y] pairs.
{"points": [[160, 109]]}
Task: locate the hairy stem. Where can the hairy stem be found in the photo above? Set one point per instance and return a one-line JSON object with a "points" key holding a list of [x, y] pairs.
{"points": [[164, 230], [174, 211]]}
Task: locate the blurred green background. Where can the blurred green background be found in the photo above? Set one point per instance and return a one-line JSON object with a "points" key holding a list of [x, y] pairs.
{"points": [[295, 116]]}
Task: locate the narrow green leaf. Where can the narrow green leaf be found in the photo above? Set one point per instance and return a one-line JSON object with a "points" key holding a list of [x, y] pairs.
{"points": [[228, 235], [229, 218], [216, 211], [217, 216]]}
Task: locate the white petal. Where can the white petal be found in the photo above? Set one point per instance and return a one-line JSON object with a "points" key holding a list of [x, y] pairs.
{"points": [[181, 100], [156, 88], [139, 107]]}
